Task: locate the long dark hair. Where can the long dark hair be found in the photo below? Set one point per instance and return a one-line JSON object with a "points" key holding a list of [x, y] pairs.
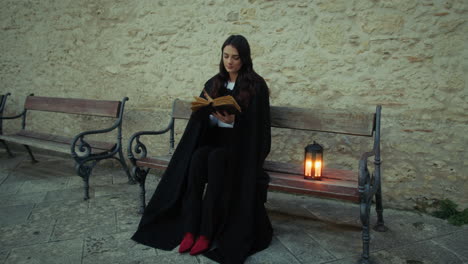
{"points": [[246, 75]]}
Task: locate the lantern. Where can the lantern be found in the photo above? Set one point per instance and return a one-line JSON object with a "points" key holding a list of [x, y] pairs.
{"points": [[313, 162]]}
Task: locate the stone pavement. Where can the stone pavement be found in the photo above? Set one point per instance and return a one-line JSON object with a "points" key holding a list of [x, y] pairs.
{"points": [[43, 219]]}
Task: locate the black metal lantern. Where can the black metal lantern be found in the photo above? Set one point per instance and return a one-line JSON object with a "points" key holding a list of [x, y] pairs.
{"points": [[313, 162]]}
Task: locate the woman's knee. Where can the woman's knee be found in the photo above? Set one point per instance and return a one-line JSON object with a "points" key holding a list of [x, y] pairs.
{"points": [[216, 156], [200, 154]]}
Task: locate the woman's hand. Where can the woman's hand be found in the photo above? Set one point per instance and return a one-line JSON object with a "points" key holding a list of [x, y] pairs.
{"points": [[224, 117]]}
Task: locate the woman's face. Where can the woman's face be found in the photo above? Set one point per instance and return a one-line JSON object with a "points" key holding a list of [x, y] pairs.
{"points": [[231, 59]]}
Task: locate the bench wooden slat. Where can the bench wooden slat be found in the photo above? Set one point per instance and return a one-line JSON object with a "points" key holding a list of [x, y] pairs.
{"points": [[100, 145], [73, 106], [160, 162], [328, 173], [51, 142], [325, 188], [38, 143], [333, 121]]}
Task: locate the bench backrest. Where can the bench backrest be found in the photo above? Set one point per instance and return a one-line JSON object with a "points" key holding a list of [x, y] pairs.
{"points": [[3, 98], [73, 106], [333, 121]]}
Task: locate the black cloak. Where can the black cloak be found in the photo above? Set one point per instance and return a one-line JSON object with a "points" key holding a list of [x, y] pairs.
{"points": [[243, 226]]}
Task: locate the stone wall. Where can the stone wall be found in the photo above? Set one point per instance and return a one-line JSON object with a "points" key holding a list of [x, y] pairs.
{"points": [[409, 56]]}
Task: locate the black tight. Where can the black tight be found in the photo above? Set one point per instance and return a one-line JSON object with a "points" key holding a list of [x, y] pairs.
{"points": [[207, 165]]}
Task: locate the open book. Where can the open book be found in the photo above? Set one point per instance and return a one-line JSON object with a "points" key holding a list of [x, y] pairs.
{"points": [[224, 103]]}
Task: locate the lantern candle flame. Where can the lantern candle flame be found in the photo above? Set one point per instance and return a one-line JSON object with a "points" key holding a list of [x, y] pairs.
{"points": [[318, 168], [308, 168]]}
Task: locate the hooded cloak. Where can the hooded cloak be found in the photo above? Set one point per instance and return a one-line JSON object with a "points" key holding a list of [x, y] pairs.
{"points": [[242, 225]]}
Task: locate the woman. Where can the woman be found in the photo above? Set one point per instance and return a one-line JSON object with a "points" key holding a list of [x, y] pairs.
{"points": [[227, 221]]}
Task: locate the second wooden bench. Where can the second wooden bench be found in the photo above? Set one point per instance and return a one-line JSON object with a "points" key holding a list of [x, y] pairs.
{"points": [[86, 153]]}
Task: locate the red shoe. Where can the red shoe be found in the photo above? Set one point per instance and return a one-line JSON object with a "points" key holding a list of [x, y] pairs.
{"points": [[186, 243], [202, 245]]}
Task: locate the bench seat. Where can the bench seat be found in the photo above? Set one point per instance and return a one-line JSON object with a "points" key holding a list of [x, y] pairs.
{"points": [[52, 142], [286, 177]]}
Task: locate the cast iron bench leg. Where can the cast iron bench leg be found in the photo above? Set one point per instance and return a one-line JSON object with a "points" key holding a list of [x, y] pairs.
{"points": [[365, 215], [379, 226], [33, 160], [140, 177], [84, 171]]}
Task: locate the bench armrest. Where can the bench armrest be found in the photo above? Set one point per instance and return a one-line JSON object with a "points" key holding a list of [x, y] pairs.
{"points": [[85, 148], [14, 117], [22, 115], [136, 149]]}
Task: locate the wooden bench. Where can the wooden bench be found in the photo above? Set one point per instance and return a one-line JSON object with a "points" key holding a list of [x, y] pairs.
{"points": [[359, 187], [86, 153]]}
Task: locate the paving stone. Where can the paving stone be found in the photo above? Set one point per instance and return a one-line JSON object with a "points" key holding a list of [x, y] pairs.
{"points": [[301, 244], [25, 234], [161, 252], [10, 187], [61, 252], [70, 228], [3, 175], [47, 211], [105, 190], [43, 185], [44, 169], [407, 227], [3, 255], [94, 180], [166, 259], [204, 260], [425, 252], [288, 204], [17, 214], [152, 180], [128, 220], [333, 240], [72, 194], [22, 199], [119, 178], [115, 248], [341, 240], [276, 253], [122, 201], [456, 243], [313, 207], [7, 163], [334, 211]]}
